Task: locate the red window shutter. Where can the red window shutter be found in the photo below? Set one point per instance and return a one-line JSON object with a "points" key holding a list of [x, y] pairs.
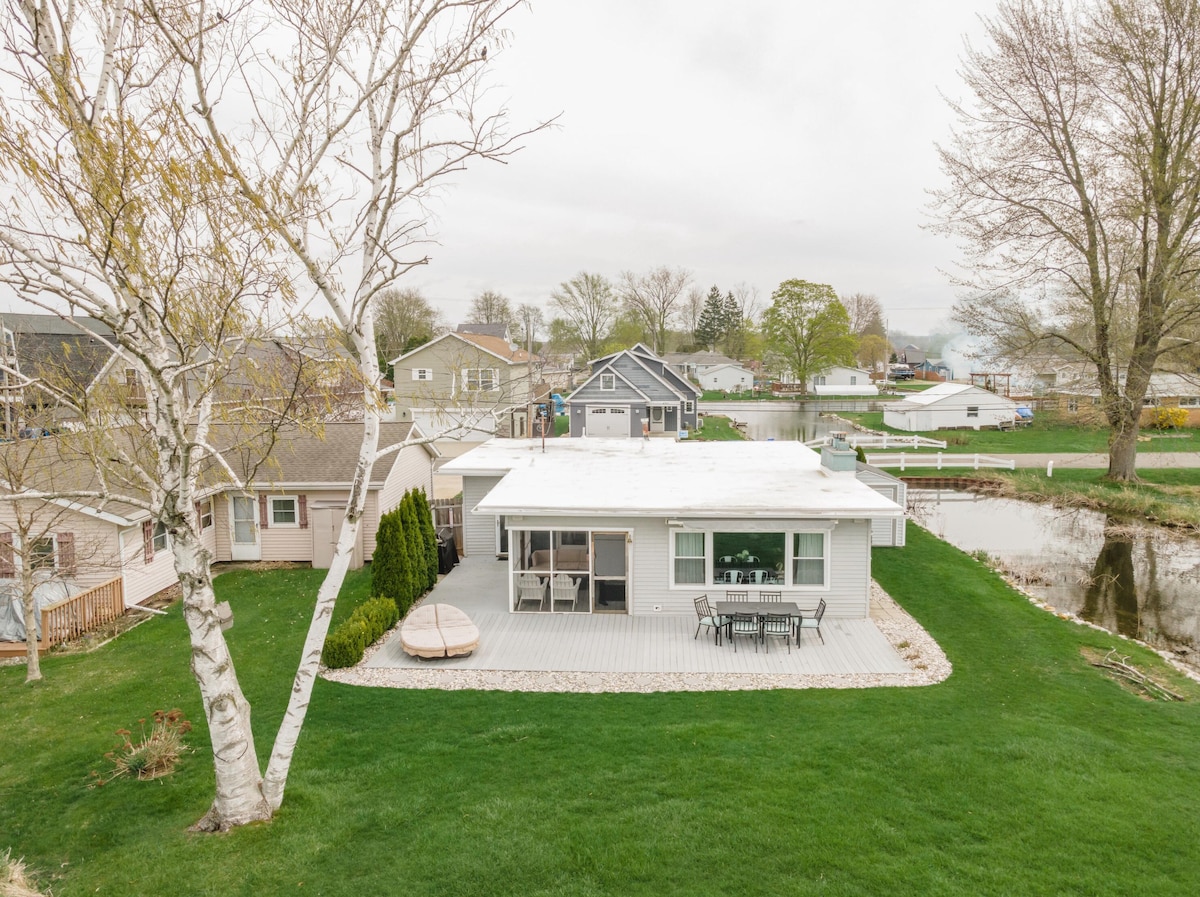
{"points": [[66, 553], [262, 511], [302, 513], [7, 569], [148, 541]]}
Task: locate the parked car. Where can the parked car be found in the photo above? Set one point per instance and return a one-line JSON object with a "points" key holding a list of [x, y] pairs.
{"points": [[903, 373]]}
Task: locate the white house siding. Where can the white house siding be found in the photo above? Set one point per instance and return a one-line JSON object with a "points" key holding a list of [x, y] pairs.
{"points": [[479, 530], [445, 423], [372, 511], [285, 543], [848, 594], [141, 579], [951, 412], [726, 377]]}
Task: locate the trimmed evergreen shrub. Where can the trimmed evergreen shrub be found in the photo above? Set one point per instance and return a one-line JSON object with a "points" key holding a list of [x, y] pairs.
{"points": [[414, 554], [387, 564], [860, 454], [344, 646]]}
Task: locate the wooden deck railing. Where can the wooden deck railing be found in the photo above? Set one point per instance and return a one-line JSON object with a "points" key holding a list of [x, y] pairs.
{"points": [[80, 614], [940, 461]]}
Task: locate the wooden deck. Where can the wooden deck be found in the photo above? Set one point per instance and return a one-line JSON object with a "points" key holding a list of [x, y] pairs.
{"points": [[618, 643]]}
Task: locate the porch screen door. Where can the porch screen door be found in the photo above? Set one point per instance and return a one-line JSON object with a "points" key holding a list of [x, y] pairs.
{"points": [[244, 545]]}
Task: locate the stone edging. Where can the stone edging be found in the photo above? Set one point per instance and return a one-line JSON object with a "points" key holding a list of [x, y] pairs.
{"points": [[926, 660]]}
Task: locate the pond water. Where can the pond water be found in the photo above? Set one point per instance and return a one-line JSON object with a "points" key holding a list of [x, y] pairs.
{"points": [[775, 423], [1130, 577]]}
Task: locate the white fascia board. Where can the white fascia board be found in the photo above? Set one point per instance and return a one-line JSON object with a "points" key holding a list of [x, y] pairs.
{"points": [[89, 511]]}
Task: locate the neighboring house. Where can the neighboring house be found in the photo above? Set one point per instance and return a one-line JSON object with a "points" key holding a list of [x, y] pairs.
{"points": [[692, 364], [1079, 397], [727, 377], [629, 392], [69, 353], [950, 406], [911, 355], [645, 527], [844, 381], [468, 386], [291, 511]]}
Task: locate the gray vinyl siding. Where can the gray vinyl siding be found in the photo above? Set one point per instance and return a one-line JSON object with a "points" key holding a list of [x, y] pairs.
{"points": [[889, 532], [848, 594], [479, 530], [592, 394]]}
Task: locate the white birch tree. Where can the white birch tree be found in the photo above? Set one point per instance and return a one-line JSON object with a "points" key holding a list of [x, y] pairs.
{"points": [[373, 105]]}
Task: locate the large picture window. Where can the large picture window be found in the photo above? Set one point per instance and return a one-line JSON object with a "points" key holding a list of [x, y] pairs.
{"points": [[738, 560], [689, 558]]}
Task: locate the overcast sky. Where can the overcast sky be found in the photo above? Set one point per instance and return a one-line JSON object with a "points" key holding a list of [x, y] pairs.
{"points": [[747, 143]]}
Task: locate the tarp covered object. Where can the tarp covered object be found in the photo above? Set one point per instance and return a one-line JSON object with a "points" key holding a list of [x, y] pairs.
{"points": [[12, 614]]}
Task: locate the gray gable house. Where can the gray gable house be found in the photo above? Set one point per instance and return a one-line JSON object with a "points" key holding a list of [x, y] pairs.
{"points": [[631, 392]]}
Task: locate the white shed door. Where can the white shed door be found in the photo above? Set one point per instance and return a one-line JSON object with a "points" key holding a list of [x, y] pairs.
{"points": [[607, 421]]}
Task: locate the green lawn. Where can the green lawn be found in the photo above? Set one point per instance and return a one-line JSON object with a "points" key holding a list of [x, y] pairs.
{"points": [[717, 428], [1164, 495], [1042, 435], [1027, 772]]}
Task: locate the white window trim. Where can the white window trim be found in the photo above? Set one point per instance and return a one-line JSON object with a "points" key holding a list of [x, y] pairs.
{"points": [[707, 558], [612, 382], [494, 376], [972, 411], [206, 515], [422, 373], [272, 523], [688, 406], [52, 538], [789, 557], [789, 562]]}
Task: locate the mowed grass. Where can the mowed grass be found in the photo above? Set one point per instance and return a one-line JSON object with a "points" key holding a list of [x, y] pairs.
{"points": [[1042, 436], [1165, 495], [1027, 772]]}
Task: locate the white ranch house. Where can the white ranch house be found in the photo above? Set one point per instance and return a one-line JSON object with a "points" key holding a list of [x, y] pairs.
{"points": [[729, 377], [644, 527], [950, 406], [844, 381]]}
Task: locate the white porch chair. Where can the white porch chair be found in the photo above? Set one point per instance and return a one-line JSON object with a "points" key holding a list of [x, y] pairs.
{"points": [[530, 588], [563, 590]]}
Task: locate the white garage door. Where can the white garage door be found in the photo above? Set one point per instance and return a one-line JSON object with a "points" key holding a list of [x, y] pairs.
{"points": [[608, 421]]}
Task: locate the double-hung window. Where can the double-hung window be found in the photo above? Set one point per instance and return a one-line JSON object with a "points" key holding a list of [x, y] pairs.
{"points": [[422, 373], [808, 559], [688, 406], [161, 537], [689, 558], [284, 511], [480, 379], [972, 411], [608, 382]]}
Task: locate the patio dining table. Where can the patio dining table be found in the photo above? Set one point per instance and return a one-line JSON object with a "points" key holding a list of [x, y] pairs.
{"points": [[758, 608]]}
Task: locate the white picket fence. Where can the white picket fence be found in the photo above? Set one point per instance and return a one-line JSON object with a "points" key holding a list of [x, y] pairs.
{"points": [[883, 441], [904, 460]]}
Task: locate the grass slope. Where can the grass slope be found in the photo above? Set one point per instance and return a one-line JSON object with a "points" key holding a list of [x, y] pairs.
{"points": [[1043, 435], [1026, 772]]}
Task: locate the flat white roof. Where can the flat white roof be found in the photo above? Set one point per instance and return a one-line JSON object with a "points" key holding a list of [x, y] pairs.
{"points": [[660, 477]]}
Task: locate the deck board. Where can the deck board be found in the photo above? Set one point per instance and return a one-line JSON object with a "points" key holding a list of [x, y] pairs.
{"points": [[620, 643]]}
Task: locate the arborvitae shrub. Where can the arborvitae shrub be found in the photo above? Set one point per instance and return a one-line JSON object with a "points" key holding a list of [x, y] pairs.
{"points": [[344, 646]]}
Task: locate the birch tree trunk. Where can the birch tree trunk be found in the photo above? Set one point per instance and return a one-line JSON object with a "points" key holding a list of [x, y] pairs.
{"points": [[239, 793], [33, 664]]}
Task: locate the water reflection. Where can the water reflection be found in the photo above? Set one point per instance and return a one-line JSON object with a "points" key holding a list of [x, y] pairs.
{"points": [[1129, 577], [775, 422]]}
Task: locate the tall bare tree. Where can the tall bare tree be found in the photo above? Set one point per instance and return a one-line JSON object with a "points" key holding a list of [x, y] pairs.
{"points": [[177, 240], [1074, 177], [490, 307], [392, 100], [655, 298], [866, 314], [588, 309], [403, 320]]}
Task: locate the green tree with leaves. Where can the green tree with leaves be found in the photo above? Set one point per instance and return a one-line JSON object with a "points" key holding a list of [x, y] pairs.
{"points": [[808, 329]]}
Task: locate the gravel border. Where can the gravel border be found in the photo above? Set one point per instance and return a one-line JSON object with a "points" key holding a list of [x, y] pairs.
{"points": [[925, 658]]}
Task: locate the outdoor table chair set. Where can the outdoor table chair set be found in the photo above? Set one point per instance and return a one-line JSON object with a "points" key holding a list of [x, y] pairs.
{"points": [[767, 618]]}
